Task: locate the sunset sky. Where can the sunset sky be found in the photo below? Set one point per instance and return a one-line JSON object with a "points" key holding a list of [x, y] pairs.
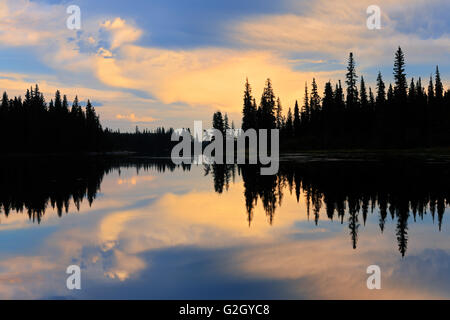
{"points": [[167, 62]]}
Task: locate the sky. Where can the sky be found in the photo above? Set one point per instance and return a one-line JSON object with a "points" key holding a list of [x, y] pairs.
{"points": [[170, 62]]}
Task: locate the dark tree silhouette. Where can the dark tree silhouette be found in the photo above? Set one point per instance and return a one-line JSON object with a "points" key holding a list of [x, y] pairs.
{"points": [[400, 117], [33, 126]]}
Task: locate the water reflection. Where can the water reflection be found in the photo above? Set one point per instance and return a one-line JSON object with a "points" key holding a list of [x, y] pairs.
{"points": [[32, 185], [347, 191], [145, 228]]}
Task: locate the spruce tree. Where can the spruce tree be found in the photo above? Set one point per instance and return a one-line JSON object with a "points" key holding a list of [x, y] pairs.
{"points": [[430, 91], [267, 107], [363, 94], [401, 86], [218, 122], [351, 78], [249, 110], [226, 122], [439, 89], [279, 114], [297, 121], [381, 93], [306, 112], [315, 98], [289, 123]]}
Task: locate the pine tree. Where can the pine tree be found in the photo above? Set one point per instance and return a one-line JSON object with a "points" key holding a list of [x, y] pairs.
{"points": [[328, 111], [51, 106], [371, 99], [401, 86], [226, 122], [315, 98], [76, 108], [439, 89], [289, 123], [279, 114], [218, 122], [381, 93], [249, 110], [412, 92], [65, 105], [4, 107], [267, 112], [339, 97], [363, 94], [297, 121], [430, 91], [306, 112], [58, 102], [351, 78], [390, 94], [419, 88], [328, 98]]}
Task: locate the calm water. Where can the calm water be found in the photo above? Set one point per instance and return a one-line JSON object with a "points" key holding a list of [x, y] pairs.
{"points": [[145, 229]]}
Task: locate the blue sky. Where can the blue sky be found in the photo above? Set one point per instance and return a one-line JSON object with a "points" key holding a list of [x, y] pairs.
{"points": [[152, 63]]}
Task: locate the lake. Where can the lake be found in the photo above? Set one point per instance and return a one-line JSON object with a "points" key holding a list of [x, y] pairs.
{"points": [[142, 228]]}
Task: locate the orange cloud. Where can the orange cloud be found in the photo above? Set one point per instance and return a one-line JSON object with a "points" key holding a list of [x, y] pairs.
{"points": [[205, 77], [133, 118]]}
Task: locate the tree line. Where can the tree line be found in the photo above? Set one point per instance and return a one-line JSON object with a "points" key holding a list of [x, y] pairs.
{"points": [[398, 115], [31, 125]]}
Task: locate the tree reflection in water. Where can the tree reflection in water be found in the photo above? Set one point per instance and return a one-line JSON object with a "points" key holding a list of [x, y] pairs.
{"points": [[347, 191]]}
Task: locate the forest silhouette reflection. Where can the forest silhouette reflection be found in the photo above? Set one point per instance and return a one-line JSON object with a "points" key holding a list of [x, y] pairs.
{"points": [[346, 191], [32, 185]]}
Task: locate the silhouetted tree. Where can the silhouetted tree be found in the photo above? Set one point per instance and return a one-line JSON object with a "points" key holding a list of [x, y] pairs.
{"points": [[249, 110]]}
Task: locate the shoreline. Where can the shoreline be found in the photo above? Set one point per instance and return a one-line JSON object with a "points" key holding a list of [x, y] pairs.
{"points": [[338, 154]]}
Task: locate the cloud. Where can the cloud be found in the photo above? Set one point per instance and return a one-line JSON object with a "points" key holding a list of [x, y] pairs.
{"points": [[26, 23], [209, 77], [121, 32], [206, 78], [311, 39], [132, 118], [331, 29]]}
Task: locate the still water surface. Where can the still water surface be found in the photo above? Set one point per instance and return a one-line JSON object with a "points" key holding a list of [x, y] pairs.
{"points": [[146, 229]]}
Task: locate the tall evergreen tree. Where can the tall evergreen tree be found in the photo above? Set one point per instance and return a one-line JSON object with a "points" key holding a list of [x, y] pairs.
{"points": [[339, 97], [363, 94], [412, 92], [218, 122], [430, 91], [381, 93], [226, 123], [306, 112], [328, 98], [371, 99], [58, 102], [390, 94], [297, 121], [279, 115], [351, 78], [439, 89], [401, 86], [267, 107], [315, 98], [289, 123], [249, 110]]}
